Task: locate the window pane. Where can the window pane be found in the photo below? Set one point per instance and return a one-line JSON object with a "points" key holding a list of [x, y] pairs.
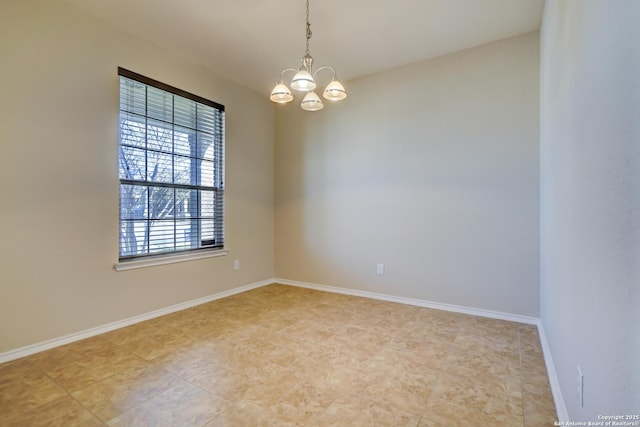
{"points": [[183, 235], [206, 118], [184, 141], [133, 238], [161, 202], [187, 231], [161, 236], [159, 136], [159, 104], [206, 173], [185, 112], [206, 204], [184, 173], [186, 203], [159, 167], [132, 130], [206, 227], [133, 201], [205, 146], [132, 164], [132, 96]]}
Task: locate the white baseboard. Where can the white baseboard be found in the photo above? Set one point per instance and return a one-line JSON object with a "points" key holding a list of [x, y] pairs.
{"points": [[87, 333], [561, 408], [417, 302]]}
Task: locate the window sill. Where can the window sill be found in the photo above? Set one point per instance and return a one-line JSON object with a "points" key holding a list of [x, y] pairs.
{"points": [[167, 259]]}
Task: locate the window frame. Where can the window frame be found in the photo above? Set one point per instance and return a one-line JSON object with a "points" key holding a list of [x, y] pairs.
{"points": [[205, 247]]}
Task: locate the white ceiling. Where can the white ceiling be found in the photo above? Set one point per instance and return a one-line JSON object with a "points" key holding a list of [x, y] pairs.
{"points": [[251, 41]]}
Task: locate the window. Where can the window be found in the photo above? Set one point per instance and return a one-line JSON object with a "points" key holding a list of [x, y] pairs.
{"points": [[171, 169]]}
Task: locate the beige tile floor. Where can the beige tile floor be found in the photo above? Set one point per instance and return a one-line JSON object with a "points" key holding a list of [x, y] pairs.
{"points": [[279, 356]]}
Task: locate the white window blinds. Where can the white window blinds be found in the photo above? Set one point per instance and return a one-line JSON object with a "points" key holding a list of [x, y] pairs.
{"points": [[171, 168]]}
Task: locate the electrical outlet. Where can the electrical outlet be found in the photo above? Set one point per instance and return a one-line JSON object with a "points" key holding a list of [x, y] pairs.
{"points": [[236, 264], [380, 269], [580, 386]]}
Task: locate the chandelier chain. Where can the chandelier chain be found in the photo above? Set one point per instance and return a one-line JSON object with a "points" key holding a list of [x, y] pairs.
{"points": [[308, 28]]}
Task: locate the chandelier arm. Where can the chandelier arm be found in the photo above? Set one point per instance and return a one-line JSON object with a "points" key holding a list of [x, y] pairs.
{"points": [[325, 67], [285, 70]]}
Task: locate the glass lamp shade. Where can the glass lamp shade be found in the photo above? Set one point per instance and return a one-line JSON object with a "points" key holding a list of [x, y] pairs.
{"points": [[312, 102], [303, 81], [334, 91], [281, 94]]}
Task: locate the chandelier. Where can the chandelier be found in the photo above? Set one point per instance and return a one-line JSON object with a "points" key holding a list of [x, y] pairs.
{"points": [[304, 81]]}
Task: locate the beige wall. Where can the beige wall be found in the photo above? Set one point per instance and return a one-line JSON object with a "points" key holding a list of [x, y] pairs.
{"points": [[59, 184], [431, 169], [590, 201]]}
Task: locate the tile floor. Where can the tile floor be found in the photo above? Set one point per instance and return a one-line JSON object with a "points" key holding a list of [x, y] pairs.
{"points": [[279, 356]]}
